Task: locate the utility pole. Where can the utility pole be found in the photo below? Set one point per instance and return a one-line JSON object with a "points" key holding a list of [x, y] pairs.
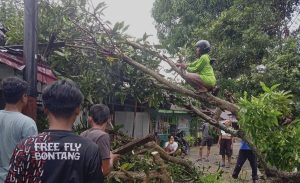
{"points": [[29, 54]]}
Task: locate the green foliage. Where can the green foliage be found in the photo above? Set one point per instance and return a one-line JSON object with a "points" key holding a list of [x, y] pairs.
{"points": [[262, 119], [240, 31], [190, 140], [179, 174], [177, 20], [195, 125], [243, 34], [41, 122], [283, 63], [101, 78]]}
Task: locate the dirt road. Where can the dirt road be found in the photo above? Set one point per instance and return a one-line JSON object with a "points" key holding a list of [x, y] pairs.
{"points": [[214, 162]]}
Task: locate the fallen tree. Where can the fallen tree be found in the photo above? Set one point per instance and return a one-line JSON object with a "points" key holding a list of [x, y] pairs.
{"points": [[113, 49], [112, 45], [148, 162]]}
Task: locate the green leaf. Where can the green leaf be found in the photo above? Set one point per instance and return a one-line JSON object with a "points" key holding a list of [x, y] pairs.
{"points": [[60, 53], [275, 87], [127, 166], [264, 87]]}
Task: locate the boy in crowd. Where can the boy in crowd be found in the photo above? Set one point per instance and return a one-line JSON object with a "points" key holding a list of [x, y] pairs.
{"points": [[99, 117], [226, 145], [14, 126], [57, 154], [206, 140], [171, 146]]}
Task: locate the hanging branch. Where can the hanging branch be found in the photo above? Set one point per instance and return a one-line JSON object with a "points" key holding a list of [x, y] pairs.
{"points": [[116, 52], [207, 97], [203, 96]]}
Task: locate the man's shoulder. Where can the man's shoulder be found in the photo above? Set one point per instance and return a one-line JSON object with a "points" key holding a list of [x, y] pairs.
{"points": [[16, 115], [84, 140], [28, 121], [95, 132], [25, 119]]}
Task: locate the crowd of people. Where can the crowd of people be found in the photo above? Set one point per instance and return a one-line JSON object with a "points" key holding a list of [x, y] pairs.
{"points": [[225, 144], [57, 154]]}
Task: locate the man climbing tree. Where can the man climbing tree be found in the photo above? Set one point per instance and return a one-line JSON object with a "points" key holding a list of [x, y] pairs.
{"points": [[200, 73]]}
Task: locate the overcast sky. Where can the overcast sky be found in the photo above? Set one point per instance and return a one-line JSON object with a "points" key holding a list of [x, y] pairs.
{"points": [[135, 13]]}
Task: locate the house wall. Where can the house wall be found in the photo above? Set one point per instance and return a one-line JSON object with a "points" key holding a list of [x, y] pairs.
{"points": [[142, 123], [6, 71], [167, 123], [183, 124]]}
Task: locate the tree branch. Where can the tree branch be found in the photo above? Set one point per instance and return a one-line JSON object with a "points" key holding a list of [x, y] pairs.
{"points": [[155, 53], [174, 87], [214, 122], [187, 164]]}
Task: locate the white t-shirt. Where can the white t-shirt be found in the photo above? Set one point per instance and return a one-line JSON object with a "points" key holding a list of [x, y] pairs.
{"points": [[225, 134], [172, 147]]}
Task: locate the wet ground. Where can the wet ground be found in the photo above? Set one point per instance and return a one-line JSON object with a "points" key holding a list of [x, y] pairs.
{"points": [[213, 165]]}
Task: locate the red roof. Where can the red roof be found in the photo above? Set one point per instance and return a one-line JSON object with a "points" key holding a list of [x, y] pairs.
{"points": [[44, 73]]}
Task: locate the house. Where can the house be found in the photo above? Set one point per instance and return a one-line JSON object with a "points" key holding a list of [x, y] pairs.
{"points": [[170, 121], [134, 117], [12, 64], [138, 120]]}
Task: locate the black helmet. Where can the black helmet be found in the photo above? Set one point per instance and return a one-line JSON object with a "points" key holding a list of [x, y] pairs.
{"points": [[203, 45]]}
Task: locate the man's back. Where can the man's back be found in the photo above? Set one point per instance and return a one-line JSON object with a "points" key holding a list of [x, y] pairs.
{"points": [[56, 156], [101, 138], [14, 126], [205, 130]]}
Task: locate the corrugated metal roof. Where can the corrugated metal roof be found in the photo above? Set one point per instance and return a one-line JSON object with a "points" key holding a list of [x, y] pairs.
{"points": [[44, 73]]}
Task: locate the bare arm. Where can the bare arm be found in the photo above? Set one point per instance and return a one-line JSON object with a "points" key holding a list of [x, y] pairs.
{"points": [[219, 140], [107, 164]]}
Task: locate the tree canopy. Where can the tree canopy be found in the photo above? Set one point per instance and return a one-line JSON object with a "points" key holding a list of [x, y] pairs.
{"points": [[243, 34], [105, 61]]}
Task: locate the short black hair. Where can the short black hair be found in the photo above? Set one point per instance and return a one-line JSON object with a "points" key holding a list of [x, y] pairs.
{"points": [[100, 113], [62, 98], [169, 136], [13, 89]]}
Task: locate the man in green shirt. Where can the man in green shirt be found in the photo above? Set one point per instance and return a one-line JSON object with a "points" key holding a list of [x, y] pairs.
{"points": [[200, 73]]}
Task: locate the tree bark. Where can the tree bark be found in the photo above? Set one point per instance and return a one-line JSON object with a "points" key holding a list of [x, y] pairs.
{"points": [[187, 164], [135, 143], [162, 166], [129, 176], [206, 97]]}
